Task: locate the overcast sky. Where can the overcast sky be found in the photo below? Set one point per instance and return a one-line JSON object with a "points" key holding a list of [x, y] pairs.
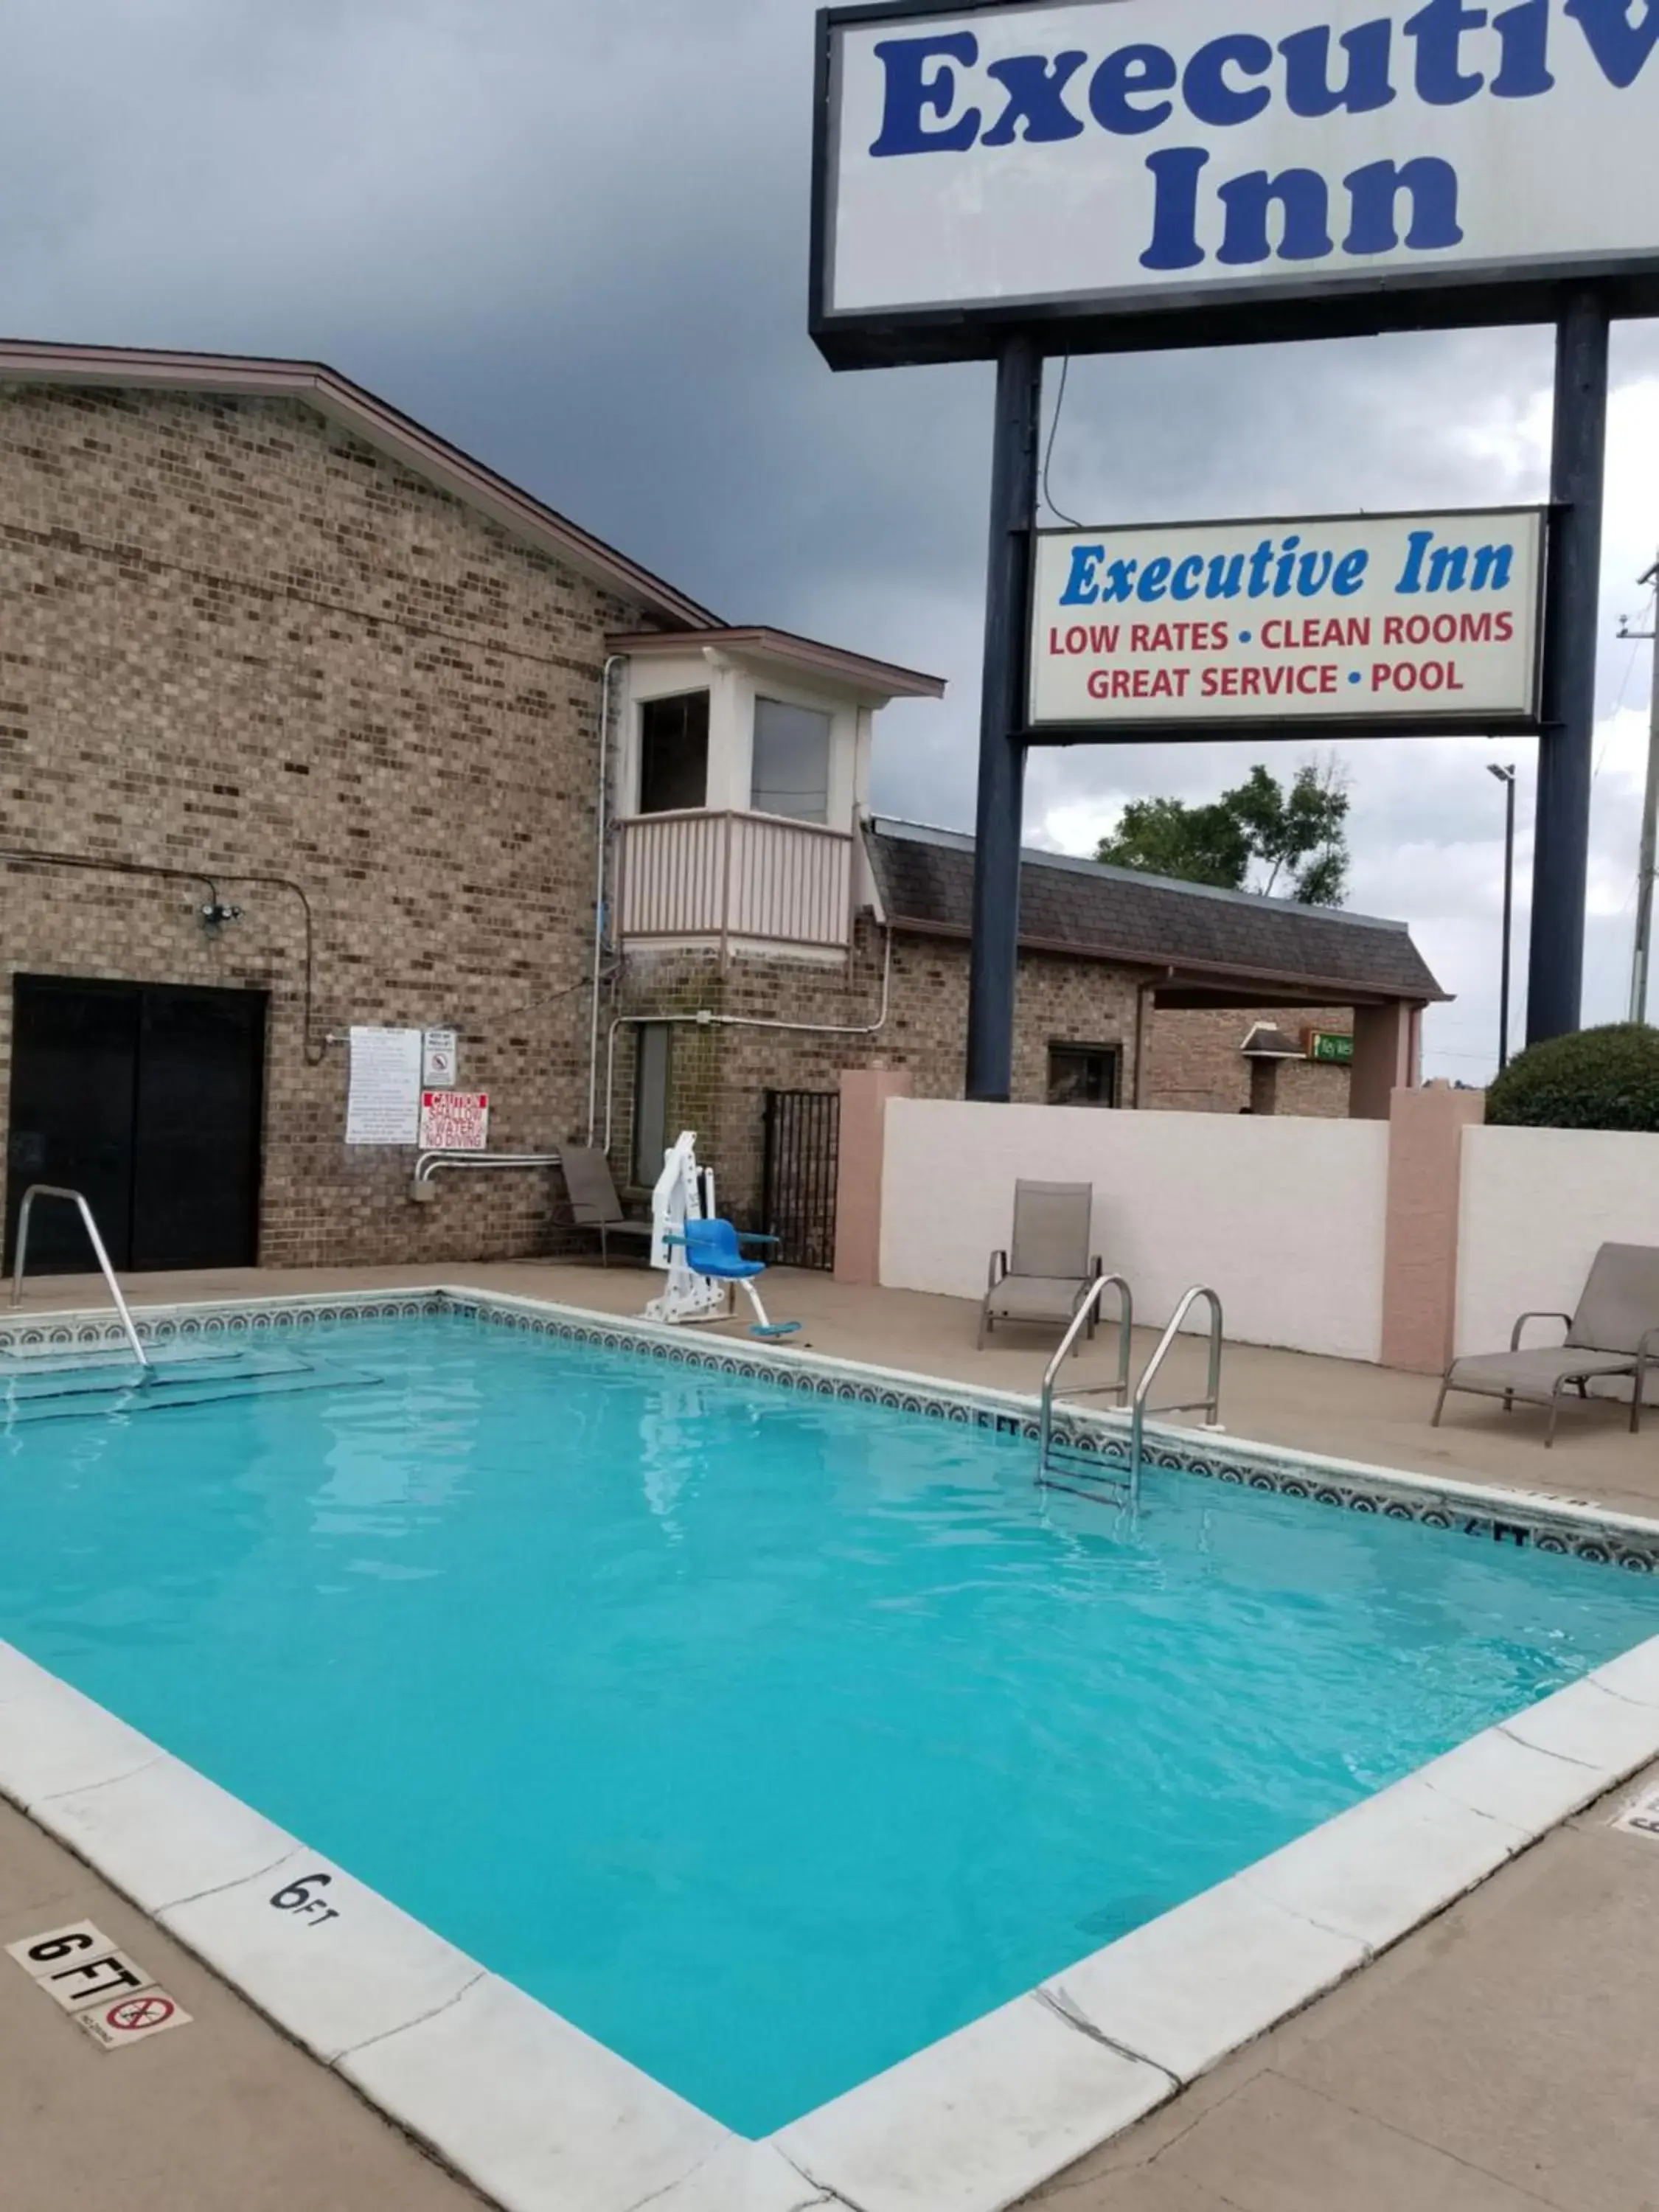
{"points": [[571, 235]]}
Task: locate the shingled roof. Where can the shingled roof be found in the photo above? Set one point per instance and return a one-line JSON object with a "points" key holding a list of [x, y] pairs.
{"points": [[1188, 938]]}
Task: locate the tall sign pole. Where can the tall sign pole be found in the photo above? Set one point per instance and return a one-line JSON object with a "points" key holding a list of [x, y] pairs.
{"points": [[1572, 619], [993, 956], [1648, 856]]}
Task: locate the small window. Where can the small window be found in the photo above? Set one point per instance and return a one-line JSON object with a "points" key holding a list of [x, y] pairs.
{"points": [[650, 1101], [792, 761], [674, 753], [1082, 1075]]}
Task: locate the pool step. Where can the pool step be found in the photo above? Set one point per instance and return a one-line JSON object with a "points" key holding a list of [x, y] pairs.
{"points": [[92, 1385]]}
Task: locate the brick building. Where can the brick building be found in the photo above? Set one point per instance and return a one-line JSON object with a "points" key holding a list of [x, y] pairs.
{"points": [[310, 723]]}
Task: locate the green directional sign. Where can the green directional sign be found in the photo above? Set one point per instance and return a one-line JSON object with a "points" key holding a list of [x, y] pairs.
{"points": [[1333, 1045]]}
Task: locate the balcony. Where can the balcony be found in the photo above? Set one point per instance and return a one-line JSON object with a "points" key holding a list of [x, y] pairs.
{"points": [[719, 879]]}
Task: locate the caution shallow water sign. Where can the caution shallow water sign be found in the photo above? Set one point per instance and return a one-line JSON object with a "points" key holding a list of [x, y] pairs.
{"points": [[1423, 621], [455, 1121]]}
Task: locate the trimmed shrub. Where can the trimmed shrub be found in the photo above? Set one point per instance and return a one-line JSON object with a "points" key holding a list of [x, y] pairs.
{"points": [[1604, 1079]]}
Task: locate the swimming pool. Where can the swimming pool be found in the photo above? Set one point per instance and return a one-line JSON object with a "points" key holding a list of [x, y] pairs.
{"points": [[768, 1737]]}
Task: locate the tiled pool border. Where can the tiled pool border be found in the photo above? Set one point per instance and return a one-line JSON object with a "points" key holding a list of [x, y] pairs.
{"points": [[540, 2116], [1486, 1511]]}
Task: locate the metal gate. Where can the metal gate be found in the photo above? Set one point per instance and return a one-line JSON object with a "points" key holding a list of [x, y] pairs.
{"points": [[798, 1180]]}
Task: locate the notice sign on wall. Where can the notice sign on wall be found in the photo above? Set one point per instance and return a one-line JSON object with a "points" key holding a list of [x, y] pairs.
{"points": [[1417, 622], [455, 1121], [441, 1060], [383, 1104]]}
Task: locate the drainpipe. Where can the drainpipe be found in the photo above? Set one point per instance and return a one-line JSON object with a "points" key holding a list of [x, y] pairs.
{"points": [[1141, 991], [613, 661]]}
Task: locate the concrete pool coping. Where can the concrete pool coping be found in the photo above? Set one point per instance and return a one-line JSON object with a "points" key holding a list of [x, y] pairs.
{"points": [[538, 2115]]}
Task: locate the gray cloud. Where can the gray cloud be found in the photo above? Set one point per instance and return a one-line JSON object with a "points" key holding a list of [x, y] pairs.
{"points": [[575, 241]]}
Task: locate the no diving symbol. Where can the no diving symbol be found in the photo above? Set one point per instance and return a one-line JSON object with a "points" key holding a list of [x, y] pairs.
{"points": [[141, 2013]]}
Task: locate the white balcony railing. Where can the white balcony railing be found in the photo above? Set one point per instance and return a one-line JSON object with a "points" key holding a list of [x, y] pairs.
{"points": [[760, 878]]}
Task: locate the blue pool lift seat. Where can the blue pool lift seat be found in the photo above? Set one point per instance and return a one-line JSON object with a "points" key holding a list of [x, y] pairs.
{"points": [[715, 1247]]}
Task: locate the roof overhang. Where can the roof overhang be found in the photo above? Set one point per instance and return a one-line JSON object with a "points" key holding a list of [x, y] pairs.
{"points": [[1213, 984], [24, 360], [803, 657]]}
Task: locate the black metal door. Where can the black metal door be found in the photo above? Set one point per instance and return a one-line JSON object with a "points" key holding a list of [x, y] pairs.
{"points": [[803, 1136], [201, 1080], [148, 1098], [74, 1076]]}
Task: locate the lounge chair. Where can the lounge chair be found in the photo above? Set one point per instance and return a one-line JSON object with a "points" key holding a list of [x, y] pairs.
{"points": [[1614, 1332], [592, 1202], [1047, 1271]]}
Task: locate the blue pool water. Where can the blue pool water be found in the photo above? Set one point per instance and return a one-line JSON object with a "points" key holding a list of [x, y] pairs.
{"points": [[765, 1736]]}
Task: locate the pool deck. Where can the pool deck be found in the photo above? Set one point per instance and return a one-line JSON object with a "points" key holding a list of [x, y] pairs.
{"points": [[1497, 2059]]}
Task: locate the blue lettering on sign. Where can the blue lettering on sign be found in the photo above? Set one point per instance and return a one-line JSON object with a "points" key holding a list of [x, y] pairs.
{"points": [[1280, 568], [938, 100]]}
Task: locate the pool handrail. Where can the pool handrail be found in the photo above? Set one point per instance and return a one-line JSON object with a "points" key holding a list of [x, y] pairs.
{"points": [[77, 1198], [1209, 1404], [1079, 1320]]}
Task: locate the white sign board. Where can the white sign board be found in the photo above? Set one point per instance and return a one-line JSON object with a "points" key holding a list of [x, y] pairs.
{"points": [[1128, 156], [441, 1060], [1423, 620], [455, 1121], [383, 1104]]}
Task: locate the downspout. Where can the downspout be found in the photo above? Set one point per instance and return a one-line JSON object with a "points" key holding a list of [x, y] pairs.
{"points": [[705, 1019], [613, 661], [1141, 990]]}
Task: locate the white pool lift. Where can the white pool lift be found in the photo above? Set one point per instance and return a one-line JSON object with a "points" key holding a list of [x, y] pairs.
{"points": [[701, 1253]]}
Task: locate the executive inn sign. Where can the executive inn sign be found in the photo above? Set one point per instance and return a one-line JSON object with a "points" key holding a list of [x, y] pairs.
{"points": [[1017, 178], [1136, 156], [1421, 623]]}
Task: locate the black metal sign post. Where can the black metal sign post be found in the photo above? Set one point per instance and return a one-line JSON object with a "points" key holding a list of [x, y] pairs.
{"points": [[994, 957], [1569, 637], [1560, 863]]}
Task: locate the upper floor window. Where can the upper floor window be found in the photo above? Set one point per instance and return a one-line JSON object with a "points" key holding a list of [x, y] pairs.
{"points": [[674, 753], [792, 761]]}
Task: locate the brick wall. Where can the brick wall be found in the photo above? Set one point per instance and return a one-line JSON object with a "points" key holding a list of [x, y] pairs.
{"points": [[719, 1074], [1194, 1064], [237, 639]]}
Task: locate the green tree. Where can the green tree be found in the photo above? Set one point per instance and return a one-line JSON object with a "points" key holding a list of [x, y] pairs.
{"points": [[1295, 839]]}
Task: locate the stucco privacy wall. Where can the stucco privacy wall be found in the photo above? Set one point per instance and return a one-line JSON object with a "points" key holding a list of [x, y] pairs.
{"points": [[1534, 1206], [1284, 1218]]}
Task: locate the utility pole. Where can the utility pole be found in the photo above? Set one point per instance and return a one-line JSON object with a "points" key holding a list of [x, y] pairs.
{"points": [[1645, 863], [1506, 777]]}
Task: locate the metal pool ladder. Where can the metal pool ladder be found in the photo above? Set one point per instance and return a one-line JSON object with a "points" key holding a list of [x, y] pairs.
{"points": [[77, 1199], [1119, 1388], [1055, 1456], [1209, 1404]]}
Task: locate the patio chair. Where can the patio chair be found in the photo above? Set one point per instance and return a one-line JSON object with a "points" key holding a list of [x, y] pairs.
{"points": [[1047, 1271], [1614, 1332], [592, 1201]]}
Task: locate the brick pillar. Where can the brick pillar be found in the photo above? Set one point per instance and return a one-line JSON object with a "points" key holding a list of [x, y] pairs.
{"points": [[1419, 1252], [1264, 1085], [865, 1092]]}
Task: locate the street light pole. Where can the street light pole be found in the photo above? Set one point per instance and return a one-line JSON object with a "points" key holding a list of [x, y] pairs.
{"points": [[1645, 862], [1506, 777]]}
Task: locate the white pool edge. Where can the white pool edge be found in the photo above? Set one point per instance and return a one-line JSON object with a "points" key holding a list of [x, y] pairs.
{"points": [[539, 2117]]}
